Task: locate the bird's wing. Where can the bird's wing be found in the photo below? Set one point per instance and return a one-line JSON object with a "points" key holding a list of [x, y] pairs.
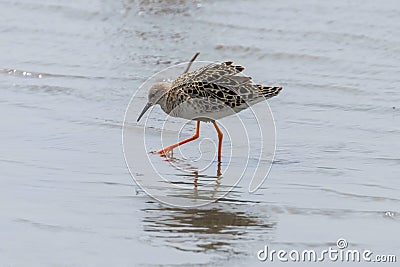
{"points": [[216, 95], [215, 82], [218, 73], [218, 83]]}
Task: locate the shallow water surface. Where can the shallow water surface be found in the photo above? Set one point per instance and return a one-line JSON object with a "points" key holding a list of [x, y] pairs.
{"points": [[68, 70]]}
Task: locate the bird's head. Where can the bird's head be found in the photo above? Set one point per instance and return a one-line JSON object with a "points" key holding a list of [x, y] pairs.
{"points": [[156, 96]]}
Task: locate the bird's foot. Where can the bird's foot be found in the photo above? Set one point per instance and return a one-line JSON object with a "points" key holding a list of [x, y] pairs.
{"points": [[165, 152]]}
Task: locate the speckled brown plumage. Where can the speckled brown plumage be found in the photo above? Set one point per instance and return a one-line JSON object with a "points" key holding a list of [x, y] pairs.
{"points": [[214, 91]]}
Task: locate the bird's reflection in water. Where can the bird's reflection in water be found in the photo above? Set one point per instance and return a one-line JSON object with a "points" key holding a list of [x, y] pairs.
{"points": [[221, 227], [212, 183], [218, 180], [224, 226], [182, 164]]}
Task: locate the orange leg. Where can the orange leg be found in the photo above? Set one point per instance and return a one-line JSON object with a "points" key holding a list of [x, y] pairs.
{"points": [[167, 149], [220, 135]]}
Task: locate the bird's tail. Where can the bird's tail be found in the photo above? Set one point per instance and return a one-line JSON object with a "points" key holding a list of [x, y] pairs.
{"points": [[269, 91]]}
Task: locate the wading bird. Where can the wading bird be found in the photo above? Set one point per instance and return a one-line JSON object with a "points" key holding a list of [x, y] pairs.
{"points": [[206, 95]]}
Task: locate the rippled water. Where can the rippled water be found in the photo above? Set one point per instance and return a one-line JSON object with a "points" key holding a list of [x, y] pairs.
{"points": [[69, 68]]}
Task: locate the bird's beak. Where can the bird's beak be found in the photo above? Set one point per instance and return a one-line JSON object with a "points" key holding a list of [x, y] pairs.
{"points": [[148, 105]]}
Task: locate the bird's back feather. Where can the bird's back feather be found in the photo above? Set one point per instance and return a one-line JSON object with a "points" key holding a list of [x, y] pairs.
{"points": [[214, 88]]}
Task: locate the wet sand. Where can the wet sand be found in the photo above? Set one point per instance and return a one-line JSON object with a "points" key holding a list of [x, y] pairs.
{"points": [[69, 69]]}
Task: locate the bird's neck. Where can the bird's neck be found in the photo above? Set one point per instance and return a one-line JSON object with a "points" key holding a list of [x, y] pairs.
{"points": [[163, 100]]}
